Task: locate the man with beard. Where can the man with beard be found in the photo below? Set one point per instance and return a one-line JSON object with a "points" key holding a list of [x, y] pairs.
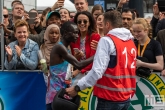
{"points": [[127, 18]]}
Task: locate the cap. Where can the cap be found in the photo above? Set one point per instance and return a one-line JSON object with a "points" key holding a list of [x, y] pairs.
{"points": [[56, 13]]}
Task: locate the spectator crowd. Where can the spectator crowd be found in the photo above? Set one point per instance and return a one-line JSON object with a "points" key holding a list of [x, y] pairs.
{"points": [[75, 41]]}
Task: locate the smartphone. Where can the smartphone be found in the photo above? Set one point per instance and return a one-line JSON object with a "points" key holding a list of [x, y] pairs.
{"points": [[76, 50], [161, 5], [32, 15], [31, 21]]}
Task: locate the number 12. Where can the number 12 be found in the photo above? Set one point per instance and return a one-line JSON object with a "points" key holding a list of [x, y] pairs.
{"points": [[133, 51]]}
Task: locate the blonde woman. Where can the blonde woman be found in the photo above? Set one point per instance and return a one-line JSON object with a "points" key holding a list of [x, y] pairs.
{"points": [[146, 46], [22, 53]]}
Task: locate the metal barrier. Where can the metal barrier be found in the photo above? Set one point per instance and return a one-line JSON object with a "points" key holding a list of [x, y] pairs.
{"points": [[2, 35]]}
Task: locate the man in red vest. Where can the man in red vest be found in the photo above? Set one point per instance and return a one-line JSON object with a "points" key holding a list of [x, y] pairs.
{"points": [[113, 72]]}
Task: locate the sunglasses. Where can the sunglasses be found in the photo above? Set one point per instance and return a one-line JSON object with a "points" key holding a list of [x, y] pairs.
{"points": [[84, 21], [5, 16]]}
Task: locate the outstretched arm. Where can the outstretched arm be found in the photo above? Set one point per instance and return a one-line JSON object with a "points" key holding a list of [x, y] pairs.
{"points": [[62, 51]]}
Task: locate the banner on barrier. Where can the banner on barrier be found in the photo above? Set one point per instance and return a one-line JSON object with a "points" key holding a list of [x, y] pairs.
{"points": [[150, 94], [26, 91], [22, 91]]}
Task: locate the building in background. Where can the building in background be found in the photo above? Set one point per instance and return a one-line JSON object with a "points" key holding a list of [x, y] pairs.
{"points": [[28, 4]]}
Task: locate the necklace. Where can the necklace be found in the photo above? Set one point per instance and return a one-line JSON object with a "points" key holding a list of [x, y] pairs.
{"points": [[144, 47]]}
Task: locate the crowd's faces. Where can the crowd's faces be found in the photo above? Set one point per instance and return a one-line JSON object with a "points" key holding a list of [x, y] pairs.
{"points": [[54, 35], [127, 20], [5, 17], [25, 16], [99, 21], [64, 15], [54, 20], [34, 11], [139, 32], [96, 13], [39, 15], [83, 23], [81, 5], [72, 35], [72, 15], [18, 11], [21, 33]]}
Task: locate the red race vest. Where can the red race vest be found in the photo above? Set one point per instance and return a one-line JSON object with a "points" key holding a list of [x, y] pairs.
{"points": [[119, 83]]}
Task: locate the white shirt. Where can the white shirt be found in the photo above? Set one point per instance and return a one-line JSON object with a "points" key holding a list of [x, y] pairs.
{"points": [[105, 48]]}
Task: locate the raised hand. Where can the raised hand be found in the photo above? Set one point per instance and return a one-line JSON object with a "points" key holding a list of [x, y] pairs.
{"points": [[37, 21], [58, 4], [122, 2], [156, 10]]}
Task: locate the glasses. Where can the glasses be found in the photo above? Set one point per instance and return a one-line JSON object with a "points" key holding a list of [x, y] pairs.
{"points": [[5, 16], [84, 21]]}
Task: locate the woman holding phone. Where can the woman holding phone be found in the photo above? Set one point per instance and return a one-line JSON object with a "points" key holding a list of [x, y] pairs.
{"points": [[33, 13], [82, 49]]}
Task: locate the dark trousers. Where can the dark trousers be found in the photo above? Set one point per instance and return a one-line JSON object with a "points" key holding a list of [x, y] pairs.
{"points": [[109, 105]]}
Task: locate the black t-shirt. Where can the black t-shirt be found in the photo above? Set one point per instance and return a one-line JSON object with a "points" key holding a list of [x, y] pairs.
{"points": [[152, 50]]}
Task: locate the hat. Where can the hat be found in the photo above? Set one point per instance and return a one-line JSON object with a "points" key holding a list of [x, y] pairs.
{"points": [[56, 13]]}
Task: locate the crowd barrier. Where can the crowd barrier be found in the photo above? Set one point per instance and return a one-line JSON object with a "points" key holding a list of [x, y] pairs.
{"points": [[26, 91]]}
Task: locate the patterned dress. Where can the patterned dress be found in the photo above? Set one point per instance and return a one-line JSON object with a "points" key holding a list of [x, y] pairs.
{"points": [[57, 80], [82, 48]]}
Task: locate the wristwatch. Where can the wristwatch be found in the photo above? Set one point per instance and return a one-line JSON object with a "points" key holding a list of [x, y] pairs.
{"points": [[77, 88]]}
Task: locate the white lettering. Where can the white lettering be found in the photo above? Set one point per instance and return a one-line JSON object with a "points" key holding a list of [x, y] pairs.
{"points": [[133, 51], [155, 101]]}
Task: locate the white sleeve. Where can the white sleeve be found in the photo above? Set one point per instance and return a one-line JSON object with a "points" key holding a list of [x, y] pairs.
{"points": [[100, 63]]}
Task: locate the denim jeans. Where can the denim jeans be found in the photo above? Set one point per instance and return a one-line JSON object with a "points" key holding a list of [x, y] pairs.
{"points": [[49, 107], [109, 105]]}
